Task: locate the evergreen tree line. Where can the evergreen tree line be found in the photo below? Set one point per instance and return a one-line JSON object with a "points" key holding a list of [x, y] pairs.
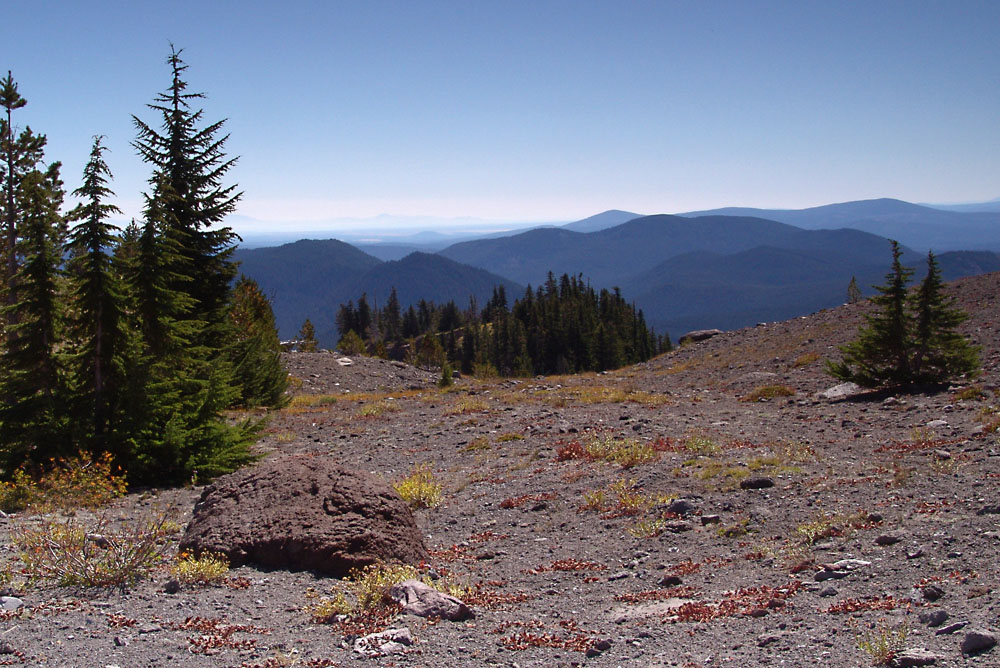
{"points": [[130, 342], [563, 326]]}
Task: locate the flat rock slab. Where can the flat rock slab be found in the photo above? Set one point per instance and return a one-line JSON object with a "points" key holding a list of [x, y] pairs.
{"points": [[304, 512]]}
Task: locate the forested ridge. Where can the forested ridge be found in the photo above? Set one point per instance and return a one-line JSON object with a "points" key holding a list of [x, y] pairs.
{"points": [[129, 342], [563, 326]]}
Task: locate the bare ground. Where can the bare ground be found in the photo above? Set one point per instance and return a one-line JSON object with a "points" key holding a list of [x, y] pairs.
{"points": [[906, 483]]}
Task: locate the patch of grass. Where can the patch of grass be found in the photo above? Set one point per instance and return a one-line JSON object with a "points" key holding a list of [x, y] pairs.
{"points": [[626, 452], [209, 568], [479, 443], [739, 528], [768, 392], [68, 553], [971, 393], [378, 408], [621, 498], [509, 436], [68, 484], [806, 359], [701, 444], [467, 405], [882, 643], [312, 400], [419, 489], [648, 528]]}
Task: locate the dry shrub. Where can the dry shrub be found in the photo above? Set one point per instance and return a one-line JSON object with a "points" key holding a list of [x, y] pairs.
{"points": [[97, 556], [68, 484]]}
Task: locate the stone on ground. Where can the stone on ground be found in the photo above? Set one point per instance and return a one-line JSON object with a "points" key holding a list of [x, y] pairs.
{"points": [[422, 600], [304, 512]]}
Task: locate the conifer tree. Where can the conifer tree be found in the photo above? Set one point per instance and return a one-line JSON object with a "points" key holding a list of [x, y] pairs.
{"points": [[190, 200], [909, 339], [99, 338], [255, 350], [940, 352], [880, 354], [32, 424], [307, 337], [22, 155], [853, 291]]}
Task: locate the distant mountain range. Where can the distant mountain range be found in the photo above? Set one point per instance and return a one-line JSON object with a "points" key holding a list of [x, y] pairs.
{"points": [[699, 270], [919, 227], [311, 279]]}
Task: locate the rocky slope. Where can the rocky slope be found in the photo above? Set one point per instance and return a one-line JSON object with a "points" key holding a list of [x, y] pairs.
{"points": [[729, 532]]}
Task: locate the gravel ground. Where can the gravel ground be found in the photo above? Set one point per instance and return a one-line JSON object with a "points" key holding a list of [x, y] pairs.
{"points": [[883, 510]]}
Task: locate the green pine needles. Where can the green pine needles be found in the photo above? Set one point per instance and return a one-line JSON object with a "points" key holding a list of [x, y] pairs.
{"points": [[912, 338], [130, 343]]}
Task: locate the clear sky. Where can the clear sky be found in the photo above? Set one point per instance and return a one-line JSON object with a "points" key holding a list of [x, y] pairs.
{"points": [[532, 110]]}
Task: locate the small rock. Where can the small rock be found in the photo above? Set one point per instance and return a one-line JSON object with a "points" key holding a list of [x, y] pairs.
{"points": [[915, 553], [7, 648], [10, 603], [933, 618], [942, 454], [951, 628], [978, 641], [390, 641], [172, 586], [603, 645], [620, 575], [933, 593], [422, 600], [120, 641], [840, 391], [935, 424], [680, 507], [669, 581], [710, 519], [887, 539], [698, 335], [914, 657], [756, 483], [992, 509], [828, 591], [767, 640]]}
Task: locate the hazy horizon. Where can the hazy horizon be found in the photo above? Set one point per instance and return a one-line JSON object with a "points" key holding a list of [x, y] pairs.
{"points": [[543, 111]]}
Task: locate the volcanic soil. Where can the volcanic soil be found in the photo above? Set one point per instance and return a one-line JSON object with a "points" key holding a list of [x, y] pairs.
{"points": [[748, 527]]}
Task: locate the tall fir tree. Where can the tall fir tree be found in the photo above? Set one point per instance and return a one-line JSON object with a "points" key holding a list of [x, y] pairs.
{"points": [[99, 339], [22, 155], [32, 422], [939, 351], [190, 200], [880, 354]]}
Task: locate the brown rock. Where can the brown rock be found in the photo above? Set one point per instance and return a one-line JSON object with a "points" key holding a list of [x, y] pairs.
{"points": [[421, 600], [304, 513]]}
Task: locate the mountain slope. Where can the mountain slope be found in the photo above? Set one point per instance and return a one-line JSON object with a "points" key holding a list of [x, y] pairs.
{"points": [[301, 278], [602, 221]]}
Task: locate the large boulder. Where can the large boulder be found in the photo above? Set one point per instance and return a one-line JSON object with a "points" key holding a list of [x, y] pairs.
{"points": [[304, 512]]}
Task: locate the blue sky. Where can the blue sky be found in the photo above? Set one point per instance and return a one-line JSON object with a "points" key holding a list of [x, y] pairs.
{"points": [[536, 110]]}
